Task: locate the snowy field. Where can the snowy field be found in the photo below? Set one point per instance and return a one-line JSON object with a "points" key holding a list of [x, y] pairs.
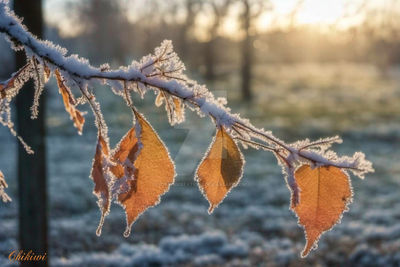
{"points": [[253, 226]]}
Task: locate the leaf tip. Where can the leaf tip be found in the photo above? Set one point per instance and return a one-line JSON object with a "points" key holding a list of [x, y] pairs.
{"points": [[127, 232], [100, 227], [304, 253], [98, 231], [211, 208], [311, 244]]}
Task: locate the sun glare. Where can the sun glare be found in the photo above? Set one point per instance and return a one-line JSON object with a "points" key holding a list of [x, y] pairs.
{"points": [[320, 12], [310, 12]]}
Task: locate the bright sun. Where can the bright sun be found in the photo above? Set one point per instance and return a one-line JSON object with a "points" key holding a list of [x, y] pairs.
{"points": [[324, 12], [310, 12]]}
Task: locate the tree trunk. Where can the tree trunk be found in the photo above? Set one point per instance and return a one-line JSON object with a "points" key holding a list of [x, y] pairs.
{"points": [[247, 55], [183, 37], [31, 168], [210, 55]]}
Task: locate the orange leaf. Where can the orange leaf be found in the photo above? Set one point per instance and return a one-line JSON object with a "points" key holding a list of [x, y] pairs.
{"points": [[220, 170], [69, 103], [154, 173], [101, 189], [325, 193]]}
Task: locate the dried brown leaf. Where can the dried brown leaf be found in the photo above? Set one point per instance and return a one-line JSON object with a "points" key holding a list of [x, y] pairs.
{"points": [[178, 110], [159, 99], [101, 189], [69, 103], [47, 72], [4, 86]]}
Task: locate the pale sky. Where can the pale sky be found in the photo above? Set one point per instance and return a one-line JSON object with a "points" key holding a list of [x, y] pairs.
{"points": [[311, 12]]}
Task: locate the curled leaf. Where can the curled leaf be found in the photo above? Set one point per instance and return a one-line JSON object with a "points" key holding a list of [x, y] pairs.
{"points": [[69, 103], [18, 77], [220, 170], [325, 193], [99, 176], [178, 110], [173, 105], [159, 99], [154, 173], [46, 72], [5, 85]]}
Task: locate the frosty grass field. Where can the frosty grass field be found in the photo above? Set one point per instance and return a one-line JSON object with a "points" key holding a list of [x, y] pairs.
{"points": [[253, 226]]}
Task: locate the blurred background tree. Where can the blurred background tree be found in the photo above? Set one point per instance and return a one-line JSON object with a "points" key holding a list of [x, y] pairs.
{"points": [[102, 19], [252, 9], [217, 11]]}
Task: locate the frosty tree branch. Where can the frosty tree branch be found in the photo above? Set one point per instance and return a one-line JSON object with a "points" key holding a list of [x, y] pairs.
{"points": [[139, 170], [162, 73]]}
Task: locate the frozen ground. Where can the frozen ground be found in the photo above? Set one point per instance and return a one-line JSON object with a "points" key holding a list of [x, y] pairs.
{"points": [[254, 226]]}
